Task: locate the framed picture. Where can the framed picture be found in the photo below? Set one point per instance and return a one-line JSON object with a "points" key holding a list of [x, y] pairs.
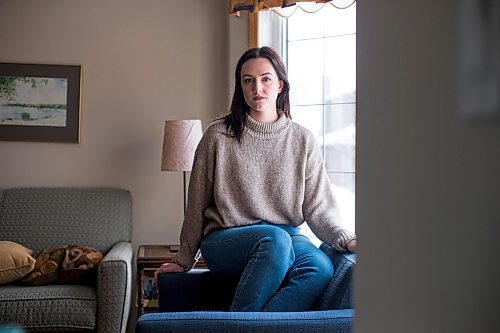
{"points": [[40, 102], [150, 291]]}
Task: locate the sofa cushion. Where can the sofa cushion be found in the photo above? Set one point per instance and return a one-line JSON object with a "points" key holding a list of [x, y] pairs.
{"points": [[15, 262], [48, 308], [338, 321], [65, 264]]}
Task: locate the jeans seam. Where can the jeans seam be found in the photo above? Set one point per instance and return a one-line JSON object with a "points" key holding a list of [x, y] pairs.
{"points": [[241, 284], [293, 273], [280, 291]]}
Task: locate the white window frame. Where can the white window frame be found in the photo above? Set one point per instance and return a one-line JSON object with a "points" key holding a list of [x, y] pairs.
{"points": [[271, 33]]}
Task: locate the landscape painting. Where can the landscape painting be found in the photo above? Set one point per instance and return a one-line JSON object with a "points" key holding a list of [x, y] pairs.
{"points": [[32, 101], [40, 102]]}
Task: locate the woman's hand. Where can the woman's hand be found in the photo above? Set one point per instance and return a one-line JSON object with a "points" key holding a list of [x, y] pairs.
{"points": [[351, 245], [168, 267]]}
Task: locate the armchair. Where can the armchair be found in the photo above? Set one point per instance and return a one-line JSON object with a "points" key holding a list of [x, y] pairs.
{"points": [[39, 218]]}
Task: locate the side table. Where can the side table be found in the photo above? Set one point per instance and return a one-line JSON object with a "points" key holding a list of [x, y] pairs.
{"points": [[149, 258]]}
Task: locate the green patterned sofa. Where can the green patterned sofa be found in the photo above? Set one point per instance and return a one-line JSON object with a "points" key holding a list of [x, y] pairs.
{"points": [[39, 218]]}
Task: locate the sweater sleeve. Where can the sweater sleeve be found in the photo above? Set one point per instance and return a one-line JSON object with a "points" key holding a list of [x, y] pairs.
{"points": [[200, 196], [320, 206]]}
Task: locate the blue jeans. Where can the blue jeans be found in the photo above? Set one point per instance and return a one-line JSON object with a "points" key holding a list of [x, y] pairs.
{"points": [[276, 268]]}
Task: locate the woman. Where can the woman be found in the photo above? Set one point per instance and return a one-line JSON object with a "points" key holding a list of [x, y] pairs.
{"points": [[256, 177]]}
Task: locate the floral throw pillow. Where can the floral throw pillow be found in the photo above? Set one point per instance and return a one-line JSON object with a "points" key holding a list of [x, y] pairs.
{"points": [[65, 264]]}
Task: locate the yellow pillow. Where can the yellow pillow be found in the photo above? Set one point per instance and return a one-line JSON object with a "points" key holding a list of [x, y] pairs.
{"points": [[15, 262]]}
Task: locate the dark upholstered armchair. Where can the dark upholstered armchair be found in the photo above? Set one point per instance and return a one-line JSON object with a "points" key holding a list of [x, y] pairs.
{"points": [[196, 301]]}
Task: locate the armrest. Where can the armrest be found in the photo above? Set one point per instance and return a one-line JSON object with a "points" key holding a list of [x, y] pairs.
{"points": [[114, 288], [197, 289], [338, 294], [338, 321]]}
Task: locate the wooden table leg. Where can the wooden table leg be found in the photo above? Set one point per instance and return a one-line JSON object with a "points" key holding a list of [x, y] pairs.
{"points": [[140, 290]]}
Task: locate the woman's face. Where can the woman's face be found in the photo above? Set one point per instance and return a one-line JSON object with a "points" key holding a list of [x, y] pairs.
{"points": [[261, 85]]}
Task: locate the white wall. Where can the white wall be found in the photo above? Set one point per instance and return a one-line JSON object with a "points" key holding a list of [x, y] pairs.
{"points": [[428, 186]]}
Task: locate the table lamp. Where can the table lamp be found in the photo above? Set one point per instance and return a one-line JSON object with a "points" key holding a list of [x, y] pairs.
{"points": [[180, 140]]}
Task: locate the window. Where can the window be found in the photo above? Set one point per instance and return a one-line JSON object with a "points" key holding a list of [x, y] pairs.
{"points": [[319, 50]]}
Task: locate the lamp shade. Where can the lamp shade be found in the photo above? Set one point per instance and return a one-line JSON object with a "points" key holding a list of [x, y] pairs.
{"points": [[179, 144]]}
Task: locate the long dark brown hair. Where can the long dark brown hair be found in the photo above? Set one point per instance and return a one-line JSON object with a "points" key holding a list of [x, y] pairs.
{"points": [[236, 119]]}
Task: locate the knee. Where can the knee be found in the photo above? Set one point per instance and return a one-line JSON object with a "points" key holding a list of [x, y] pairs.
{"points": [[322, 269], [315, 268], [278, 240], [277, 244]]}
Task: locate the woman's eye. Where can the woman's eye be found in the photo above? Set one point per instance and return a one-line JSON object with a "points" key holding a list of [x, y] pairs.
{"points": [[247, 81], [266, 79]]}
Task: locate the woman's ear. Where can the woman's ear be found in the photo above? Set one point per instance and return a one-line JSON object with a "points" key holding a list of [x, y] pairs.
{"points": [[280, 86]]}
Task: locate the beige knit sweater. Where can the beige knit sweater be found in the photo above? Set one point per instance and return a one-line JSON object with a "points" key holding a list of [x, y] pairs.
{"points": [[275, 174]]}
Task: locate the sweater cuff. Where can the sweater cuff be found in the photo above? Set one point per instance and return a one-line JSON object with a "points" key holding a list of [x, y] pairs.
{"points": [[184, 259], [342, 238]]}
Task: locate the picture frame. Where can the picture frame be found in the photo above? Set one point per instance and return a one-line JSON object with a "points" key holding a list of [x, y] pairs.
{"points": [[40, 102]]}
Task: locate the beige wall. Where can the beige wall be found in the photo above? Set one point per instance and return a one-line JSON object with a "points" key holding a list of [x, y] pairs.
{"points": [[238, 43], [143, 62]]}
